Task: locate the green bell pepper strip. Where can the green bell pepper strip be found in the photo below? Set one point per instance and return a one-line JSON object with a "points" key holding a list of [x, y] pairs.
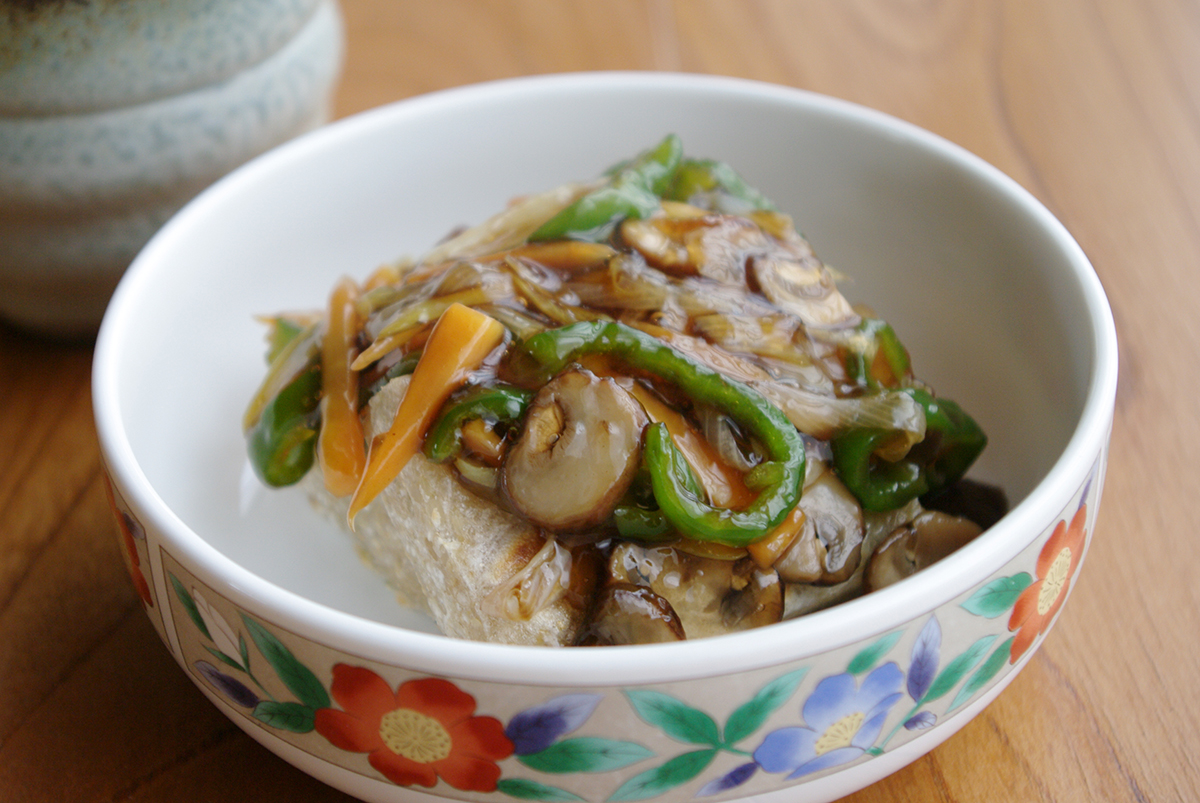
{"points": [[952, 442], [686, 510], [283, 332], [883, 340], [500, 403], [717, 186], [637, 521], [639, 524], [634, 191], [282, 442]]}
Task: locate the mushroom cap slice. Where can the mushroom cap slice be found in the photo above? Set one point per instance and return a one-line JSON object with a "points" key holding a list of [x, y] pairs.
{"points": [[630, 614], [711, 596], [805, 598], [829, 547], [793, 279], [577, 454], [930, 537]]}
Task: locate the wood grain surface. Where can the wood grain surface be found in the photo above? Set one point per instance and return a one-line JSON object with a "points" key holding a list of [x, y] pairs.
{"points": [[1093, 105]]}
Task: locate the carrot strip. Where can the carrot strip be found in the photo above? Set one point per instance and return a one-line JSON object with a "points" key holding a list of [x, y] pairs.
{"points": [[410, 322], [459, 342], [340, 449], [384, 345], [722, 482]]}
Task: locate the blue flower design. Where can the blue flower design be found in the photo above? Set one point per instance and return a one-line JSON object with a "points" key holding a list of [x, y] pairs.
{"points": [[842, 720], [236, 691], [735, 777], [535, 729]]}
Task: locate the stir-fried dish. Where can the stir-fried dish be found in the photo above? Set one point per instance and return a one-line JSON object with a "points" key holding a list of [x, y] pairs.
{"points": [[655, 390]]}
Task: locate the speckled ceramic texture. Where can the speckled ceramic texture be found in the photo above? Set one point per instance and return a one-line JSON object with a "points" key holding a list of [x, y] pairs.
{"points": [[272, 614], [73, 56], [115, 114]]}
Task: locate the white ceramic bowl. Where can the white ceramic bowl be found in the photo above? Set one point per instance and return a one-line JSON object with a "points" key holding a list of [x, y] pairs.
{"points": [[995, 300]]}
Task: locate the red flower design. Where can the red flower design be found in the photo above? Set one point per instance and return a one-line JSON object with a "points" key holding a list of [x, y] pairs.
{"points": [[1036, 607], [423, 731], [129, 546]]}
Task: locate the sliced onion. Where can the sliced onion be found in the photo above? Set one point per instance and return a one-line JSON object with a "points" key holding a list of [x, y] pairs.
{"points": [[536, 295], [823, 416], [540, 584], [755, 334], [700, 296], [519, 323], [771, 339], [626, 284], [431, 309], [718, 430], [509, 228], [702, 351], [477, 474]]}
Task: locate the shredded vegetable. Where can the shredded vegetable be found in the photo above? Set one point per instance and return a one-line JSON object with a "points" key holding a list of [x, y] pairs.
{"points": [[692, 368], [459, 342], [340, 446]]}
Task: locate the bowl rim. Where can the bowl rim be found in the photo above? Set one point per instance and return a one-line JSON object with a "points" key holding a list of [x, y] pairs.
{"points": [[804, 637]]}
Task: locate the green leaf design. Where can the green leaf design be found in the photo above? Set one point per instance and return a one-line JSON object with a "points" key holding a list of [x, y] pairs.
{"points": [[750, 716], [997, 597], [244, 651], [678, 770], [869, 656], [954, 671], [982, 675], [189, 605], [676, 719], [295, 675], [293, 717], [586, 754], [223, 658], [532, 790]]}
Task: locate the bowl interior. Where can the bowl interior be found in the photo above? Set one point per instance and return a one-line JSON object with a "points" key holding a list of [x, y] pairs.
{"points": [[969, 272]]}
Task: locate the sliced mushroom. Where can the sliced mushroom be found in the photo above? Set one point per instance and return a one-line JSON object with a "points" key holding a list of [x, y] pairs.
{"points": [[757, 602], [630, 614], [711, 596], [829, 548], [712, 246], [924, 541], [793, 279], [805, 598], [577, 454]]}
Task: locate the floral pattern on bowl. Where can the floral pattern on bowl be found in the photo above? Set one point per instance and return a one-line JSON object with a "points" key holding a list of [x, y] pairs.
{"points": [[780, 726], [135, 552]]}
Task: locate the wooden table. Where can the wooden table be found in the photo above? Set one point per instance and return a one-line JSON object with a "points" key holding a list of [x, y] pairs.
{"points": [[1093, 105]]}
